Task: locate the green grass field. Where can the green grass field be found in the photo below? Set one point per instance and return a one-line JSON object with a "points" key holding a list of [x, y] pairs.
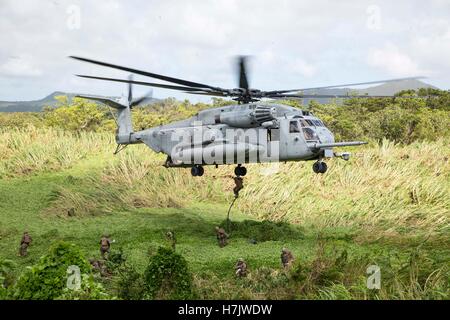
{"points": [[388, 206]]}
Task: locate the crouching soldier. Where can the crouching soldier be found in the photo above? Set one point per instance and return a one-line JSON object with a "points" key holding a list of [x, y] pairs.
{"points": [[286, 258], [24, 244], [241, 268], [222, 237]]}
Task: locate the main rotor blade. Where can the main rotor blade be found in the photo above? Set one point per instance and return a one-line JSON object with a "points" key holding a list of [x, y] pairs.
{"points": [[342, 85], [311, 96], [243, 81], [148, 74], [216, 94], [150, 84]]}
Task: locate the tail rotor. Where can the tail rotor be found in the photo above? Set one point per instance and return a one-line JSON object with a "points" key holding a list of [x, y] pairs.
{"points": [[135, 102]]}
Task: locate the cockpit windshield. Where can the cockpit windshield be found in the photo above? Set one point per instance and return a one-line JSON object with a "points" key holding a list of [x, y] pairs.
{"points": [[307, 127], [311, 123]]}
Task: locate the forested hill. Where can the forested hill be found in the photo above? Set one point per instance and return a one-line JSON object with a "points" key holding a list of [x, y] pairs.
{"points": [[36, 105], [385, 89]]}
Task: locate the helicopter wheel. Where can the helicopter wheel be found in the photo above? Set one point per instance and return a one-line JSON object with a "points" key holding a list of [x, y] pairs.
{"points": [[197, 171], [320, 167], [240, 171]]}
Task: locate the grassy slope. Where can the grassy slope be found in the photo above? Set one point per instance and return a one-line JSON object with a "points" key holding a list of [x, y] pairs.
{"points": [[24, 200]]}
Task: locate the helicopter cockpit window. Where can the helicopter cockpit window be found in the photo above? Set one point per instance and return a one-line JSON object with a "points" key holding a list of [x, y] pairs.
{"points": [[310, 134], [304, 123], [294, 127]]}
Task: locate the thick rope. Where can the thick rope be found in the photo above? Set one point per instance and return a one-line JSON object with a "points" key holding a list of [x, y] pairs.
{"points": [[228, 215]]}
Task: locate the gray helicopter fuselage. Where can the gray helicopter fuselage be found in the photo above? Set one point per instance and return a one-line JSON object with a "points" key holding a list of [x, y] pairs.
{"points": [[242, 133]]}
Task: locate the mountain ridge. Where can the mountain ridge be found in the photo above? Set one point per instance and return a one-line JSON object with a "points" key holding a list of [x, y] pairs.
{"points": [[38, 105]]}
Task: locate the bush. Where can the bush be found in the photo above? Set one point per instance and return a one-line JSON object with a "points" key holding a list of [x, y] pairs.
{"points": [[48, 278], [90, 290], [6, 277], [167, 276], [115, 259], [128, 283], [79, 115], [6, 273], [329, 270]]}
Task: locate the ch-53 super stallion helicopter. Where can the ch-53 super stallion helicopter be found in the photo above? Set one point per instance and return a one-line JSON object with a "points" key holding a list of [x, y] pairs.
{"points": [[250, 131]]}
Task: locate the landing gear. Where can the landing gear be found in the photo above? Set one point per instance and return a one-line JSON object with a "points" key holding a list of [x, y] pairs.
{"points": [[320, 167], [197, 171], [240, 171]]}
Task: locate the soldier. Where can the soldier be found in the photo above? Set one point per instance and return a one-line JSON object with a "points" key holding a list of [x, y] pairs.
{"points": [[239, 185], [24, 244], [98, 266], [222, 237], [170, 236], [105, 245], [286, 258], [241, 268]]}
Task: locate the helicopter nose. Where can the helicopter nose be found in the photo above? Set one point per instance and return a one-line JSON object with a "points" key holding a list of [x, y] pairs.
{"points": [[325, 135]]}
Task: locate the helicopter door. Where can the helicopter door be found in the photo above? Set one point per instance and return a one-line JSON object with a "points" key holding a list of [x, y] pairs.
{"points": [[292, 144]]}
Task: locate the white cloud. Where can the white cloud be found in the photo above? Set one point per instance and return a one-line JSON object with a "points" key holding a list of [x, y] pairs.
{"points": [[293, 43], [20, 66], [304, 68], [390, 59], [432, 44]]}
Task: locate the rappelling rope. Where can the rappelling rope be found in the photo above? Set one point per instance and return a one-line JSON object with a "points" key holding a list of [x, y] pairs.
{"points": [[228, 215], [236, 195]]}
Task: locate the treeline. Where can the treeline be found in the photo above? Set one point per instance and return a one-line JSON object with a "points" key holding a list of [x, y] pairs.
{"points": [[422, 115], [410, 116]]}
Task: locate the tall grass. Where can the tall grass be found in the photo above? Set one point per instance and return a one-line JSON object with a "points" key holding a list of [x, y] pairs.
{"points": [[396, 188], [393, 188], [31, 150]]}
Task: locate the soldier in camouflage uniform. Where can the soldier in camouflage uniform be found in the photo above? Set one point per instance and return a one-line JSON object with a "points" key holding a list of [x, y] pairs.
{"points": [[241, 268], [105, 245], [239, 185], [286, 258], [24, 244], [170, 236], [222, 237]]}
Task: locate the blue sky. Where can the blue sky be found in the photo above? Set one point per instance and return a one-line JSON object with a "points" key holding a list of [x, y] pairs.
{"points": [[292, 43]]}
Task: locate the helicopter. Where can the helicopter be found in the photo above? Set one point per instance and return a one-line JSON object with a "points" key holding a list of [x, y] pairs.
{"points": [[250, 131]]}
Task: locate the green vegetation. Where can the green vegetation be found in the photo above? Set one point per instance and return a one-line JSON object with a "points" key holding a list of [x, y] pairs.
{"points": [[167, 276], [387, 206], [47, 279], [401, 120]]}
